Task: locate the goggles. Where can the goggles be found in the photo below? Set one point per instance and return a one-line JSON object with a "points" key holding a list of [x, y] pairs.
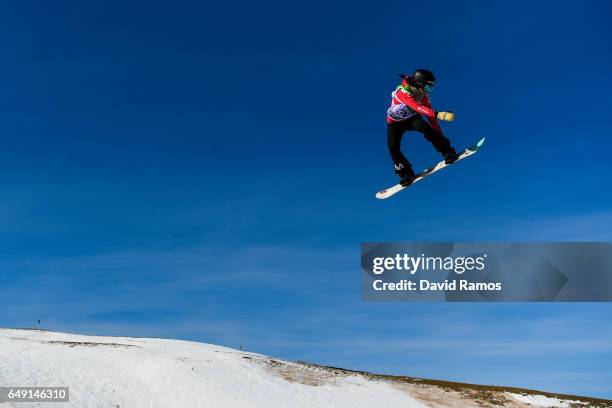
{"points": [[428, 87]]}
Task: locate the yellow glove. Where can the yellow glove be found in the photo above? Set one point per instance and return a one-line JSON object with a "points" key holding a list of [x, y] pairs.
{"points": [[446, 116]]}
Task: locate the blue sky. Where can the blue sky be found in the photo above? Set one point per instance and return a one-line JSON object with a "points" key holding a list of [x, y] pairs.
{"points": [[207, 172]]}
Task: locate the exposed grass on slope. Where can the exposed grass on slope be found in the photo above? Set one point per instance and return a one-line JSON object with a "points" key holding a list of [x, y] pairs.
{"points": [[487, 394]]}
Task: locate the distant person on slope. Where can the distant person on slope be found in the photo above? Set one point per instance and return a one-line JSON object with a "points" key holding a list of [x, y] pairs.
{"points": [[409, 104]]}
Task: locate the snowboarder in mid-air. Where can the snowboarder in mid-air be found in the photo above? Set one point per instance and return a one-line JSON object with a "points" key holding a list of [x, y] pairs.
{"points": [[409, 105]]}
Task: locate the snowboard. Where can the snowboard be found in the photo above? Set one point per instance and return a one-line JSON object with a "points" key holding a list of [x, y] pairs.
{"points": [[429, 171]]}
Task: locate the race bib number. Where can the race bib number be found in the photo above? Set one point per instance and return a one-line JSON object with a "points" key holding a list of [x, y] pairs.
{"points": [[399, 112]]}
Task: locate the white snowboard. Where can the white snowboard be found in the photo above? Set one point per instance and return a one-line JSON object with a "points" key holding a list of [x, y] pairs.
{"points": [[428, 172]]}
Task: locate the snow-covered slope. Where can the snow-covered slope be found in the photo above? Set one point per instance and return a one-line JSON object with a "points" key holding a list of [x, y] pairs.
{"points": [[128, 372], [134, 372]]}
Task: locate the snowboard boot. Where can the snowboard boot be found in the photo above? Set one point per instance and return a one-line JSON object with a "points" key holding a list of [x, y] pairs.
{"points": [[407, 176], [450, 157], [407, 179]]}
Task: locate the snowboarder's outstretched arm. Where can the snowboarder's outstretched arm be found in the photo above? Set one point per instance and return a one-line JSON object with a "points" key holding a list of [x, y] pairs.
{"points": [[424, 108], [434, 123]]}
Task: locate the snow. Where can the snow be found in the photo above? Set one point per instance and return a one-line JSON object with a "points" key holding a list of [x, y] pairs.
{"points": [[128, 372], [138, 372], [542, 401]]}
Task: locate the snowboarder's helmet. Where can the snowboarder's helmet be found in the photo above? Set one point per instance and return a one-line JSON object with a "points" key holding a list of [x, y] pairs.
{"points": [[424, 79]]}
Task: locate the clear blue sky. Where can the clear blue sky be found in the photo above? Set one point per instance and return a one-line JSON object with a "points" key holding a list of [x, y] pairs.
{"points": [[207, 171]]}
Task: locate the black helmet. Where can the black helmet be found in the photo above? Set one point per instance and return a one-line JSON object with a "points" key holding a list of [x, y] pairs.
{"points": [[424, 79]]}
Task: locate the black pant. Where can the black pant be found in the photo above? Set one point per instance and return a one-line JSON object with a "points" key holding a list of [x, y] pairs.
{"points": [[395, 131]]}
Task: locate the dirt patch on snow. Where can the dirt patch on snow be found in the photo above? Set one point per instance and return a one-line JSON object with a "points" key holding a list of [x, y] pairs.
{"points": [[88, 344]]}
